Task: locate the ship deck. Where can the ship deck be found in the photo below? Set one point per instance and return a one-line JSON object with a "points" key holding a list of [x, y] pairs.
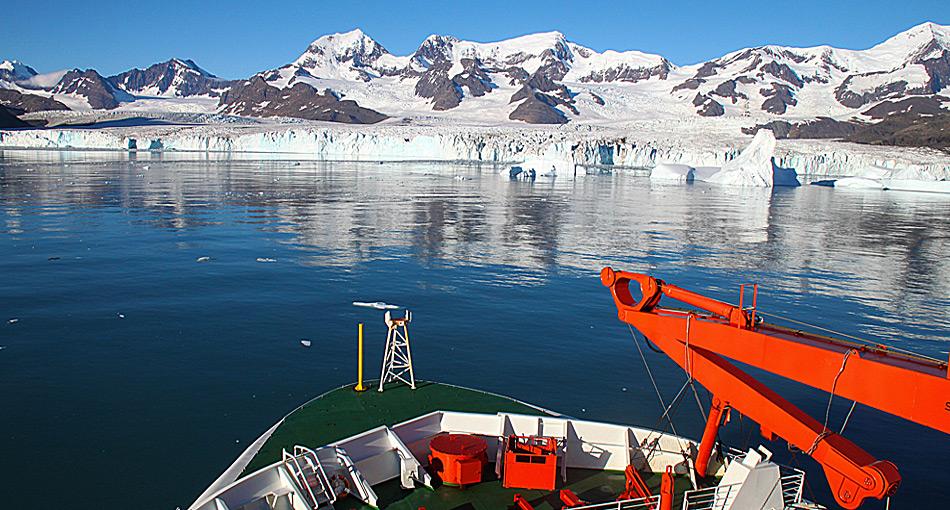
{"points": [[342, 413]]}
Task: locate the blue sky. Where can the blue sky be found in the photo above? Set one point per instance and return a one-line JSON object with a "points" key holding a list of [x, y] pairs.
{"points": [[240, 37]]}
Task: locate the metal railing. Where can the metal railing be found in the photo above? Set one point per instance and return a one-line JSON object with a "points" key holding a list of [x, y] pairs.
{"points": [[722, 496], [297, 471], [317, 470], [650, 503], [793, 483]]}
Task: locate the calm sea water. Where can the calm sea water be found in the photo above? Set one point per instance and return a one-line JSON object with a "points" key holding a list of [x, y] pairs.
{"points": [[131, 375]]}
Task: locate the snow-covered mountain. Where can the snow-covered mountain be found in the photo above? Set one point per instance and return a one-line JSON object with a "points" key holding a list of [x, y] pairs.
{"points": [[174, 78], [538, 79], [823, 80], [12, 71]]}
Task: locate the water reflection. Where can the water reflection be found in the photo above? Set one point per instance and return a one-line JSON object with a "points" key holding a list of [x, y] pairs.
{"points": [[883, 250]]}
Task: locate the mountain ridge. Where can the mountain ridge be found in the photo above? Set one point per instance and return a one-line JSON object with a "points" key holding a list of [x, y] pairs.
{"points": [[541, 78]]}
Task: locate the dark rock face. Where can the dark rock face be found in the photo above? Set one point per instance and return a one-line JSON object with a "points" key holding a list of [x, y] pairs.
{"points": [[727, 89], [780, 97], [538, 108], [691, 84], [920, 105], [258, 99], [18, 103], [707, 106], [782, 72], [91, 85], [711, 108], [854, 100], [184, 75], [822, 127], [901, 129], [9, 120], [447, 93], [938, 68], [907, 130], [628, 74]]}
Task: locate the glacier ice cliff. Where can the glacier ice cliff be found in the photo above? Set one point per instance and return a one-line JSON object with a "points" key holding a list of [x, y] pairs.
{"points": [[587, 146]]}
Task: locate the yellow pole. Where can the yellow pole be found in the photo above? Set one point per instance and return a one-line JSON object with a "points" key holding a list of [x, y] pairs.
{"points": [[359, 363]]}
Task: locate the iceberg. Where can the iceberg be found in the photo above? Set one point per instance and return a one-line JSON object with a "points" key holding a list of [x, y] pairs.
{"points": [[752, 167], [670, 172]]}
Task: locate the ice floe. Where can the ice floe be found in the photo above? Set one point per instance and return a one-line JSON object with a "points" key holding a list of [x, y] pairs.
{"points": [[379, 305]]}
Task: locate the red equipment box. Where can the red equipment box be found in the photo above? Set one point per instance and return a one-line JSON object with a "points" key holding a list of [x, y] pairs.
{"points": [[530, 462], [458, 459]]}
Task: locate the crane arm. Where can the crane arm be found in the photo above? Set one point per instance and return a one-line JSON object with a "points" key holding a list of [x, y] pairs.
{"points": [[911, 387]]}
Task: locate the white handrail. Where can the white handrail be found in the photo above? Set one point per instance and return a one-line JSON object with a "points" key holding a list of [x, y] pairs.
{"points": [[299, 474], [324, 479]]}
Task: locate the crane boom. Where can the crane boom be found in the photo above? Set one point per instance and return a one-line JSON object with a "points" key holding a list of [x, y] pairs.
{"points": [[908, 386]]}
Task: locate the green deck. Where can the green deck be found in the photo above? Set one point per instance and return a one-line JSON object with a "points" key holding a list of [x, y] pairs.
{"points": [[591, 485], [342, 413]]}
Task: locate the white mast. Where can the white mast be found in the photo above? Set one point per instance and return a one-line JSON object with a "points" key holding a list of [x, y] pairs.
{"points": [[397, 358]]}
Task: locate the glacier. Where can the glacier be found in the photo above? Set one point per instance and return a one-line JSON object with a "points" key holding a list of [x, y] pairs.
{"points": [[642, 147]]}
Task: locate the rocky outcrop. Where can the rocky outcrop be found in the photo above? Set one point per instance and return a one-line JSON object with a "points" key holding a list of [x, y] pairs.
{"points": [[780, 97], [907, 130], [538, 108], [628, 74], [447, 92], [920, 105], [845, 94], [19, 103], [258, 99], [822, 127], [727, 89], [9, 120]]}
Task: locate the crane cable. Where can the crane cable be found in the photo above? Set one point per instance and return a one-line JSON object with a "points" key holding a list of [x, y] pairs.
{"points": [[653, 381], [831, 395]]}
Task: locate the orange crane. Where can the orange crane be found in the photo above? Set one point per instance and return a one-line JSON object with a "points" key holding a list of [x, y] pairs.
{"points": [[704, 341]]}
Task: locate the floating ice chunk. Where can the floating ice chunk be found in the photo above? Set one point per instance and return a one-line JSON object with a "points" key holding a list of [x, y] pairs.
{"points": [[120, 315], [304, 342], [916, 185], [379, 305], [914, 179], [266, 259], [203, 259], [13, 321], [753, 167], [2, 347], [669, 172], [858, 183], [546, 167]]}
